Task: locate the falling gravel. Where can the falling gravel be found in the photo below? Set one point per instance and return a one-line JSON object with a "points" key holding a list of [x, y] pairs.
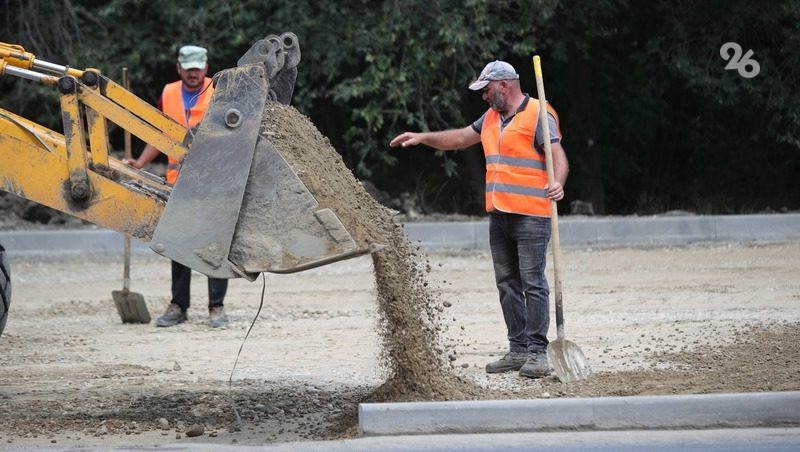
{"points": [[409, 307]]}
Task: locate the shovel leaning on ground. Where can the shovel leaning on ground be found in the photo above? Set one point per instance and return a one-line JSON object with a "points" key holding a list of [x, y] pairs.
{"points": [[130, 305], [566, 357]]}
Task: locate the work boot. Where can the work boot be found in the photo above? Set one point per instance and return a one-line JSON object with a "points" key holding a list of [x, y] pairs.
{"points": [[511, 361], [173, 316], [537, 366], [217, 316]]}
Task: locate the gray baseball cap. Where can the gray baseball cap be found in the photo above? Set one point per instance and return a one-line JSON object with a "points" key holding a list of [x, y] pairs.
{"points": [[496, 70], [192, 57]]}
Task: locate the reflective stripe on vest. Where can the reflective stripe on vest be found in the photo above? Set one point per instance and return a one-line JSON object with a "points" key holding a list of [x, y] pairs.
{"points": [[172, 106], [515, 161], [515, 173], [517, 190]]}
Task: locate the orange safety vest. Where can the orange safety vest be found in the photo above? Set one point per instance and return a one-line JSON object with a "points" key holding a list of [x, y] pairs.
{"points": [[516, 173], [172, 106]]}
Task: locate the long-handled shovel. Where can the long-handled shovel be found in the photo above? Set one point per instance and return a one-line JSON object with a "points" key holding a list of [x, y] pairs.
{"points": [[130, 305], [566, 357]]}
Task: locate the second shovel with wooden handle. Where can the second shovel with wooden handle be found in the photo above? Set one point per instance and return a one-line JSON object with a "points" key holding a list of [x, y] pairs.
{"points": [[130, 305]]}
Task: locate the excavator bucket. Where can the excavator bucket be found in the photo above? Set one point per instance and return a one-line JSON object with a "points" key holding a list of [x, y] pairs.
{"points": [[238, 207]]}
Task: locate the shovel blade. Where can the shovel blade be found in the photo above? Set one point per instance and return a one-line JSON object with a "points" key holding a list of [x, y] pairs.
{"points": [[131, 306], [568, 361]]}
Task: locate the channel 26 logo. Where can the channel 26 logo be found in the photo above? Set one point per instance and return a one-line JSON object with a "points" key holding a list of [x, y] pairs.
{"points": [[744, 64]]}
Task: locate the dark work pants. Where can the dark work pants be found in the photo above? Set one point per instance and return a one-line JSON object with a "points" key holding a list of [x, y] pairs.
{"points": [[519, 253], [181, 284]]}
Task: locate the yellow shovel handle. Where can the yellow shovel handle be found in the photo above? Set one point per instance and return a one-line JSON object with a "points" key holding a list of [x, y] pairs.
{"points": [[555, 240]]}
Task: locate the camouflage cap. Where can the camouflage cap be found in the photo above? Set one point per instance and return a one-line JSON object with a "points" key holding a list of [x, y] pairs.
{"points": [[192, 57], [496, 70]]}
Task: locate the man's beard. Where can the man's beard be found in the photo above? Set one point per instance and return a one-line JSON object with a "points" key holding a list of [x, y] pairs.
{"points": [[498, 103], [193, 83]]}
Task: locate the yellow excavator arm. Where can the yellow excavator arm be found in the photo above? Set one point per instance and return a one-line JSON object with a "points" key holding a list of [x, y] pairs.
{"points": [[73, 172], [225, 206]]}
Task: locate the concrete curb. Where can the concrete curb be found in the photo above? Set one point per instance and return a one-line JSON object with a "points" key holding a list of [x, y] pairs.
{"points": [[474, 235], [740, 410], [617, 231], [72, 241]]}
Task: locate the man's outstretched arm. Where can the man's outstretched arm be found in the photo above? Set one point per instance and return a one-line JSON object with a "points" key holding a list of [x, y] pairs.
{"points": [[445, 140]]}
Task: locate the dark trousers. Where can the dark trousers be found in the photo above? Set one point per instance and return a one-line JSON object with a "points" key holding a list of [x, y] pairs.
{"points": [[519, 253], [181, 285]]}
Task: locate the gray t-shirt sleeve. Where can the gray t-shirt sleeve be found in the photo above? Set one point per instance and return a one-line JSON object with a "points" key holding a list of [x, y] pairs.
{"points": [[478, 124], [554, 136]]}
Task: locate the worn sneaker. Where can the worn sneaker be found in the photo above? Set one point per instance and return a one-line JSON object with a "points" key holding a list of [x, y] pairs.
{"points": [[511, 361], [173, 316], [537, 366], [217, 317]]}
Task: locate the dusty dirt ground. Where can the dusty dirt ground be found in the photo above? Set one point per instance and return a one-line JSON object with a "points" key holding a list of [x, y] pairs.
{"points": [[689, 320]]}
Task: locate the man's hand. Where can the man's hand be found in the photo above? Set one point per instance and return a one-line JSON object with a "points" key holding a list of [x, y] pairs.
{"points": [[443, 140], [556, 192], [148, 154], [132, 162], [406, 139]]}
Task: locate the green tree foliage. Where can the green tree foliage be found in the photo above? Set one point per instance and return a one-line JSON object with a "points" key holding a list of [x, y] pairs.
{"points": [[742, 133], [651, 119]]}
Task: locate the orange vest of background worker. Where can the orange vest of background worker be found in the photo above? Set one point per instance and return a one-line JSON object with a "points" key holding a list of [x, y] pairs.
{"points": [[174, 100], [515, 176]]}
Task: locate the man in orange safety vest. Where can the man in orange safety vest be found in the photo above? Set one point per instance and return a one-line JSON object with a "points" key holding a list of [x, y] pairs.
{"points": [[186, 101], [518, 202]]}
